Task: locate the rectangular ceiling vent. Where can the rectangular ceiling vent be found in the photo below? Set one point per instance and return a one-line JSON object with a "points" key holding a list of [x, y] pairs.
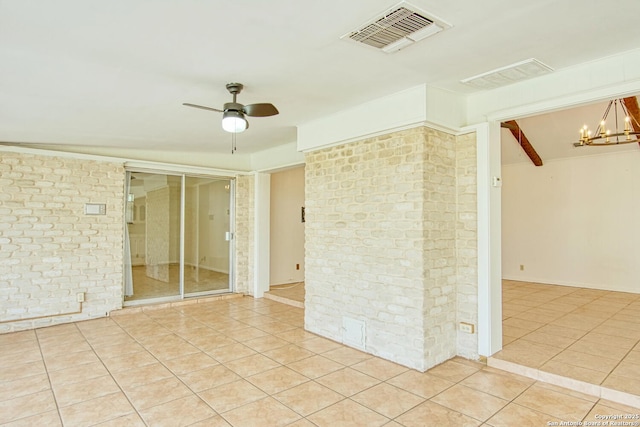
{"points": [[513, 73], [398, 28]]}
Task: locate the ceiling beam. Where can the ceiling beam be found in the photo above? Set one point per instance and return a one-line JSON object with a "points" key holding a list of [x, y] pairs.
{"points": [[523, 141], [631, 103]]}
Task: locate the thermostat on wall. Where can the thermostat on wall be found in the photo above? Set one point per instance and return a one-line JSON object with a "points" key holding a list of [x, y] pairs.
{"points": [[95, 209]]}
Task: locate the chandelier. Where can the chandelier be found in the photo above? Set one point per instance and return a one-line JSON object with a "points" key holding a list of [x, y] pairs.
{"points": [[603, 135]]}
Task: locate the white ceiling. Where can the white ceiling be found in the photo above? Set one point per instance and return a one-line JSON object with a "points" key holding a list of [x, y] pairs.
{"points": [[115, 73]]}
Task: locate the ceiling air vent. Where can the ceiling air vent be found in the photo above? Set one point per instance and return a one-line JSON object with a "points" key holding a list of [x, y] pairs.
{"points": [[400, 27], [508, 74]]}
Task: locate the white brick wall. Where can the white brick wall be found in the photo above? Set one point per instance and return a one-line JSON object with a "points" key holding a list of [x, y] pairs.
{"points": [[245, 213], [49, 249], [381, 243]]}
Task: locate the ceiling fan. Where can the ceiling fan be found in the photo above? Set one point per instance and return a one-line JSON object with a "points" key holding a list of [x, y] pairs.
{"points": [[233, 113]]}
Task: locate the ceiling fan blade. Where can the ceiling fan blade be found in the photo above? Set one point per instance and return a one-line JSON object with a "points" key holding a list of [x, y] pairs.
{"points": [[202, 107], [260, 110]]}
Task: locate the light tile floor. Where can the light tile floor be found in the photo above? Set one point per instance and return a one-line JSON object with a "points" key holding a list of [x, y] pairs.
{"points": [[245, 362], [585, 334], [195, 280], [291, 294]]}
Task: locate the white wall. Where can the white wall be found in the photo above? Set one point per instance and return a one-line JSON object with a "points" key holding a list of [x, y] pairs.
{"points": [[287, 230], [574, 221]]}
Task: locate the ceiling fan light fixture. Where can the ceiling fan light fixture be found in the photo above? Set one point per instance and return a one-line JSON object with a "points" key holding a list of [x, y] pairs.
{"points": [[234, 121]]}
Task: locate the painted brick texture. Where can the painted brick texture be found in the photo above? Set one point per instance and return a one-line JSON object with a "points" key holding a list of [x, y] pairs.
{"points": [[381, 243], [49, 249], [245, 215]]}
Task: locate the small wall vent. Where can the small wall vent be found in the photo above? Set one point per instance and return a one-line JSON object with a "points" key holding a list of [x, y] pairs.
{"points": [[397, 28]]}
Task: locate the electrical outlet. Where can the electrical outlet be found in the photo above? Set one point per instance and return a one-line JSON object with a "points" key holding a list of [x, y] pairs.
{"points": [[466, 327], [297, 266], [80, 297]]}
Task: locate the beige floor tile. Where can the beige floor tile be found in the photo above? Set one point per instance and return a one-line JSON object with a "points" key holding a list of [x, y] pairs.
{"points": [[71, 393], [120, 338], [190, 362], [129, 361], [527, 353], [296, 335], [215, 421], [452, 370], [632, 357], [26, 356], [54, 331], [131, 420], [118, 350], [474, 403], [514, 331], [627, 369], [275, 327], [575, 372], [500, 385], [516, 415], [55, 363], [585, 360], [207, 378], [346, 355], [20, 346], [551, 329], [276, 380], [319, 345], [252, 365], [156, 393], [617, 407], [48, 419], [14, 338], [248, 334], [633, 333], [315, 366], [232, 395], [26, 406], [526, 324], [22, 370], [180, 412], [595, 348], [23, 386], [77, 373], [379, 368], [626, 384], [554, 403], [96, 411], [569, 392], [171, 351], [508, 340], [211, 343], [595, 415], [141, 375], [308, 398], [422, 384], [549, 339], [303, 423], [347, 413], [347, 381], [265, 343], [264, 412], [388, 400], [288, 354], [436, 415]]}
